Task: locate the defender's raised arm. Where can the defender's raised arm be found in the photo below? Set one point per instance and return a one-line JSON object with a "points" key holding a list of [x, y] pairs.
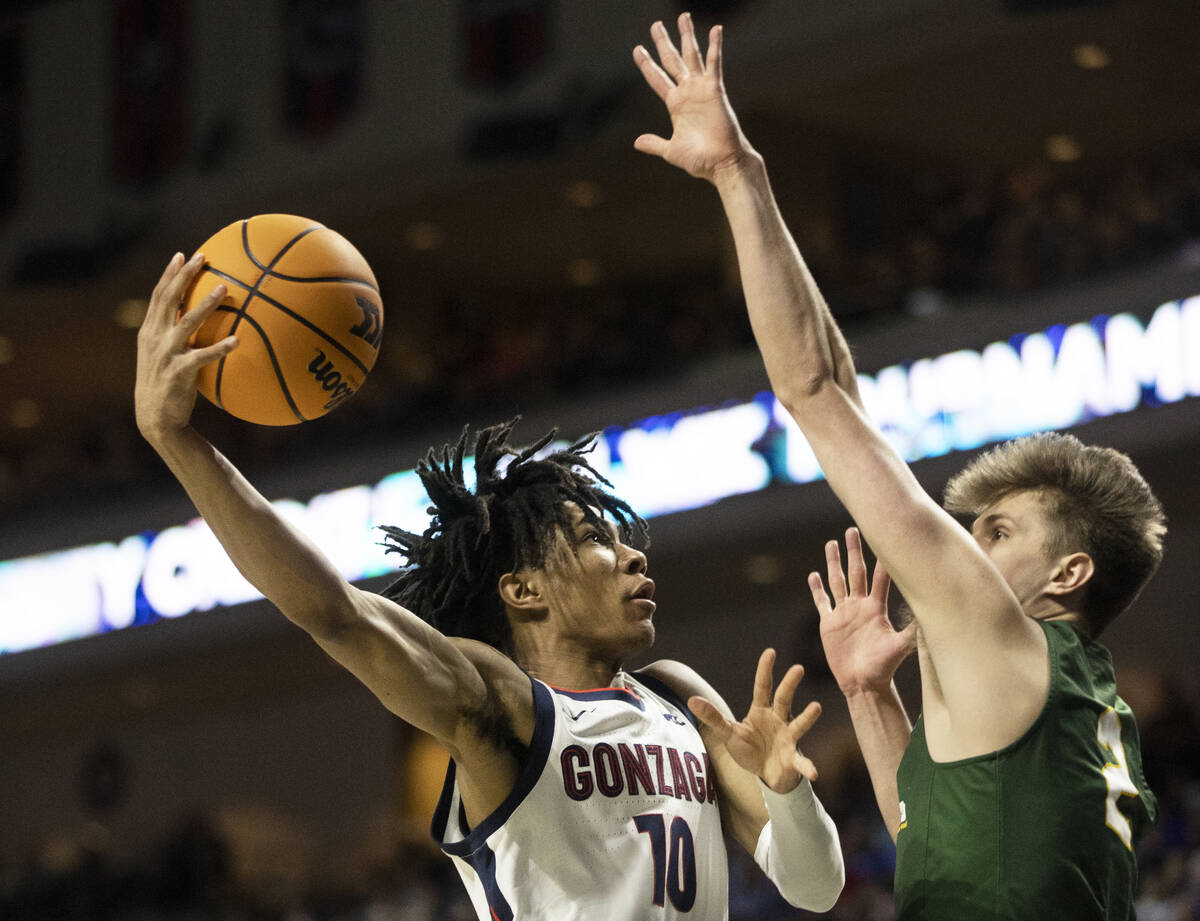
{"points": [[970, 619], [800, 346]]}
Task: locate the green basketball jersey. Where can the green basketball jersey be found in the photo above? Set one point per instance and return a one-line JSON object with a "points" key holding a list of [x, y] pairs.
{"points": [[1043, 829]]}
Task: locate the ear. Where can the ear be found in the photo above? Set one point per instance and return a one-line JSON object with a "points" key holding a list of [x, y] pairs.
{"points": [[1073, 572], [521, 593]]}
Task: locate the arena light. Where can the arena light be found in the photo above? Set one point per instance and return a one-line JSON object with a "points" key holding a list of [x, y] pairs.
{"points": [[1056, 378], [1090, 56]]}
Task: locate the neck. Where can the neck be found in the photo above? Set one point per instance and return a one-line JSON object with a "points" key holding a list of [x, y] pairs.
{"points": [[1049, 608], [572, 674], [563, 665]]}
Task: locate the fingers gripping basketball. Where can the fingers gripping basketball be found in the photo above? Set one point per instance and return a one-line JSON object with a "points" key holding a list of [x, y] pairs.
{"points": [[305, 307]]}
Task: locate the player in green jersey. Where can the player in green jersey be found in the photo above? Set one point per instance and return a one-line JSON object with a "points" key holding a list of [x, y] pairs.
{"points": [[1045, 825], [1021, 790]]}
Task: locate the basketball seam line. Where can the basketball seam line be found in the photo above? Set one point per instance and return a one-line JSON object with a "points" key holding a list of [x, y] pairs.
{"points": [[286, 247], [267, 268], [295, 316], [287, 394], [254, 290], [345, 280]]}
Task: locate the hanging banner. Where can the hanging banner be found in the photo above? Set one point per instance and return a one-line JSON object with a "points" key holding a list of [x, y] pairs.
{"points": [[323, 63], [11, 93], [150, 88], [504, 41]]}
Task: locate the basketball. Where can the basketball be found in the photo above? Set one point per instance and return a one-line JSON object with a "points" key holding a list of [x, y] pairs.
{"points": [[305, 307]]}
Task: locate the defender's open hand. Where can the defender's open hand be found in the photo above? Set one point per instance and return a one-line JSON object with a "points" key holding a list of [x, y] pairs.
{"points": [[861, 646], [165, 392], [764, 743], [705, 138]]}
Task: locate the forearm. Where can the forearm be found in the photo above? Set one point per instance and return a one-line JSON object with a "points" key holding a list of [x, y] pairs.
{"points": [[812, 374], [883, 729], [273, 556], [799, 849], [801, 345]]}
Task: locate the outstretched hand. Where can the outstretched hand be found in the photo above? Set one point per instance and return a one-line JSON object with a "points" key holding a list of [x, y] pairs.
{"points": [[167, 365], [861, 645], [764, 743], [706, 137]]}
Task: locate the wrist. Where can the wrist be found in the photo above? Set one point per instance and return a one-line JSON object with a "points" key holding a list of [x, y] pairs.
{"points": [[799, 785], [163, 436], [746, 165], [156, 431], [865, 690]]}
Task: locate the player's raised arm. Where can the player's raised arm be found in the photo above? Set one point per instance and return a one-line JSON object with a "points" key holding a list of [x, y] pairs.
{"points": [[970, 618], [415, 671]]}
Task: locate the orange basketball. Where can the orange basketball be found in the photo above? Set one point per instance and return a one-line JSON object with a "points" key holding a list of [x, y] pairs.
{"points": [[305, 307]]}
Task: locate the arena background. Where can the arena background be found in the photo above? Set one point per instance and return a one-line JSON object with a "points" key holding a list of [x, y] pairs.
{"points": [[956, 172]]}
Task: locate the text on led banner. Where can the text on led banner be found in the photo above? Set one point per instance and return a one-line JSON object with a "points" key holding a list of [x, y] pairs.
{"points": [[1053, 379]]}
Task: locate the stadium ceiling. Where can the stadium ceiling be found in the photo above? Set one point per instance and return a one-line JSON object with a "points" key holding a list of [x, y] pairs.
{"points": [[967, 83]]}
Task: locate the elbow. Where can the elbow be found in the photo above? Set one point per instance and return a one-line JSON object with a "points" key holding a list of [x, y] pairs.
{"points": [[325, 615], [797, 395], [825, 900], [816, 902], [814, 884], [820, 898]]}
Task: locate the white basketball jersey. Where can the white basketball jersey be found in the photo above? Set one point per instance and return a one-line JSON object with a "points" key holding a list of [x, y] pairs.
{"points": [[613, 818]]}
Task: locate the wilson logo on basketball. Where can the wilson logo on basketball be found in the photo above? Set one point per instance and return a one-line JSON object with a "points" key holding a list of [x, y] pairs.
{"points": [[330, 380]]}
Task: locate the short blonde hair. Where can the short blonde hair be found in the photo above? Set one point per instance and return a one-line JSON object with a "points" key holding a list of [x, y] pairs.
{"points": [[1094, 500]]}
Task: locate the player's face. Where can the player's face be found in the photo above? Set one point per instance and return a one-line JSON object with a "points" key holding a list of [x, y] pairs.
{"points": [[1013, 533], [597, 590]]}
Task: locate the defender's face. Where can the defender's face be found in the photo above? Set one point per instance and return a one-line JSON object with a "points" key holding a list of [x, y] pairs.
{"points": [[597, 589], [1013, 533]]}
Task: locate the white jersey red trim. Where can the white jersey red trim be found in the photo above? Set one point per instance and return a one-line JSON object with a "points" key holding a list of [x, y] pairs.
{"points": [[613, 816]]}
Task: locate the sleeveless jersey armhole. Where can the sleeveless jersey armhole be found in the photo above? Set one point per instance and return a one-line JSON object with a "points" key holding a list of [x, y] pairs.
{"points": [[449, 819]]}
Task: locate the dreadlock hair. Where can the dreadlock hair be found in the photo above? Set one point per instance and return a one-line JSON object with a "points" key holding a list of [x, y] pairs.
{"points": [[508, 523], [1093, 499]]}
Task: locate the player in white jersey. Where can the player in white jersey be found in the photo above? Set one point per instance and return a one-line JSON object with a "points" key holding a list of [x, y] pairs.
{"points": [[524, 592], [603, 763]]}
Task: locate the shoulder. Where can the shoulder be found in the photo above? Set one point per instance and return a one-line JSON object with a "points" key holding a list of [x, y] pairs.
{"points": [[685, 681], [499, 673], [486, 658]]}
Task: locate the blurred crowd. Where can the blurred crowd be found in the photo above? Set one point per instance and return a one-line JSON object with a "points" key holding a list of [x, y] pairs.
{"points": [[197, 874], [917, 242], [897, 242]]}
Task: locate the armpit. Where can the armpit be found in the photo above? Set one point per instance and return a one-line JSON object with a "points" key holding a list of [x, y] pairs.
{"points": [[493, 726]]}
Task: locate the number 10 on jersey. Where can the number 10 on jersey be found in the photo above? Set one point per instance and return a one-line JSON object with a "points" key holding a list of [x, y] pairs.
{"points": [[674, 855]]}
